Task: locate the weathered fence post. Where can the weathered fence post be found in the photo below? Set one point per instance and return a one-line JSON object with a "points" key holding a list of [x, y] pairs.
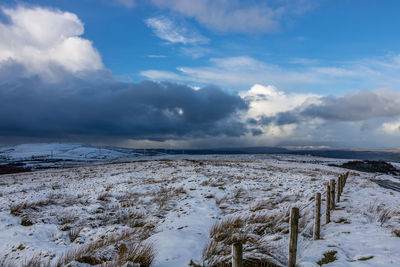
{"points": [[332, 184], [237, 254], [338, 190], [294, 231], [341, 184], [317, 220], [328, 204]]}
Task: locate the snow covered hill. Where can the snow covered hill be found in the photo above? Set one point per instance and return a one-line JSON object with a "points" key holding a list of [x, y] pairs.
{"points": [[172, 211], [45, 155]]}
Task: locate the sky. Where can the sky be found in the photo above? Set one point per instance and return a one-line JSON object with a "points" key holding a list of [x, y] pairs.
{"points": [[201, 73]]}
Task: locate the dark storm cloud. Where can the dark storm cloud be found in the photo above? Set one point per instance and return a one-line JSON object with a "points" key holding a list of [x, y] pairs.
{"points": [[360, 106], [96, 105]]}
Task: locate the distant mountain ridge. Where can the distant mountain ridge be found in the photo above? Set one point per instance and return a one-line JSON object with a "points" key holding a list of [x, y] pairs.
{"points": [[328, 153], [55, 155], [50, 155]]}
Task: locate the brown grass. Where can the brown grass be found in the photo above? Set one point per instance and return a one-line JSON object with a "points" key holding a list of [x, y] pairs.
{"points": [[73, 233], [19, 208], [103, 196], [263, 204], [328, 258], [142, 253], [366, 258], [245, 229], [396, 232], [34, 261]]}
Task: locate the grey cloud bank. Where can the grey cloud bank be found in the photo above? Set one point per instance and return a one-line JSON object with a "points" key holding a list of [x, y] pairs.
{"points": [[101, 106], [54, 86], [360, 106]]}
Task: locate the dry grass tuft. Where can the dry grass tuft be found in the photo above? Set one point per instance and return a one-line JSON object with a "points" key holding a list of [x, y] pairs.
{"points": [[103, 196], [379, 213], [19, 208], [35, 261], [248, 230], [396, 232], [228, 230], [328, 258], [263, 204], [137, 252], [73, 233], [180, 190], [141, 253]]}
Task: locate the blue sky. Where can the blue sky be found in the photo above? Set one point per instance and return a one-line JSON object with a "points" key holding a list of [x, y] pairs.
{"points": [[295, 67], [326, 33]]}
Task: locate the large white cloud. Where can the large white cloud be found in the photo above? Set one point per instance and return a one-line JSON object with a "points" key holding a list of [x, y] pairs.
{"points": [[41, 39], [268, 101], [391, 128]]}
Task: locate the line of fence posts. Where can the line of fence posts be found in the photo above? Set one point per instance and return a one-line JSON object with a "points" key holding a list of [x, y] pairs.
{"points": [[237, 254], [330, 205], [237, 248]]}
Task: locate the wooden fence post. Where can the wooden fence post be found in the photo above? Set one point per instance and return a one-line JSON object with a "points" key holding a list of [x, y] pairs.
{"points": [[237, 254], [294, 231], [332, 184], [338, 190], [328, 204], [341, 184], [317, 220]]}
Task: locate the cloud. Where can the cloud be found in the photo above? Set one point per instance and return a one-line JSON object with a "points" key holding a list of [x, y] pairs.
{"points": [[82, 99], [265, 102], [168, 30], [367, 118], [38, 38], [363, 105], [236, 16], [126, 3], [195, 51], [354, 107], [391, 128], [238, 73], [242, 72], [156, 56], [148, 110], [268, 100], [86, 102]]}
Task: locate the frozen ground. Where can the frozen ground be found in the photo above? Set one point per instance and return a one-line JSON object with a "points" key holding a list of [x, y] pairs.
{"points": [[192, 208], [51, 155]]}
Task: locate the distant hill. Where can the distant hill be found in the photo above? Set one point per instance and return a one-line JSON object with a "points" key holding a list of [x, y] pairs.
{"points": [[329, 153], [49, 155], [55, 155]]}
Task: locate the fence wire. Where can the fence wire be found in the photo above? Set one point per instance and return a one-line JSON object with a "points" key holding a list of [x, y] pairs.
{"points": [[305, 234]]}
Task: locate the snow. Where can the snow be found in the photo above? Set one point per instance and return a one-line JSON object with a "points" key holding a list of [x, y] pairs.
{"points": [[363, 236], [45, 155], [178, 198]]}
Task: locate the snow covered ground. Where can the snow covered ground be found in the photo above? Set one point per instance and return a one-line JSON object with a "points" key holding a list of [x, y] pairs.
{"points": [[192, 208], [52, 155]]}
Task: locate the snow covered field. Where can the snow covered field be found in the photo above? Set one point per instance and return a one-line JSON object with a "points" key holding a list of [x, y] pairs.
{"points": [[184, 208], [56, 155]]}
